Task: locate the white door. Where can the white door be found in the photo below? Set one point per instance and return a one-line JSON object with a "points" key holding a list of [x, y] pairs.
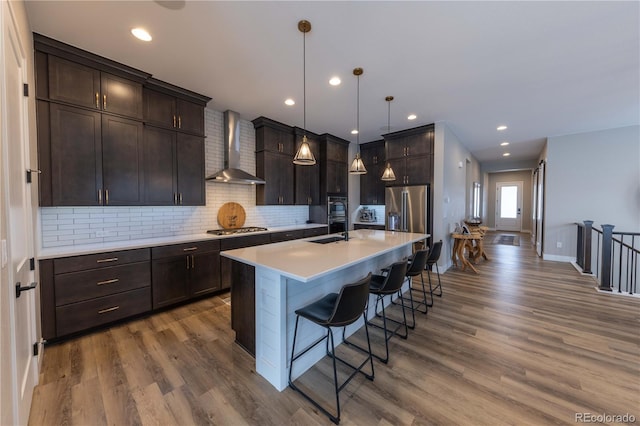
{"points": [[509, 206], [19, 370]]}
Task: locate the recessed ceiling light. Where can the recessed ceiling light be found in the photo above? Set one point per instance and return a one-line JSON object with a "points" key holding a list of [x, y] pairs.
{"points": [[354, 132], [505, 143], [506, 154], [141, 34], [501, 128], [412, 117], [289, 102], [335, 81]]}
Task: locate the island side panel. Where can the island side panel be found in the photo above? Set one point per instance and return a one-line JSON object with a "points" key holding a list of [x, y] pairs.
{"points": [[270, 308], [243, 305]]}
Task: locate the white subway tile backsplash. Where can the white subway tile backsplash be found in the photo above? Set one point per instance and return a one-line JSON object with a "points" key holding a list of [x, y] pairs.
{"points": [[63, 226]]}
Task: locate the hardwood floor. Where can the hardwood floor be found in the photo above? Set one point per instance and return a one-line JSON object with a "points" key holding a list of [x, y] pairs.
{"points": [[523, 342]]}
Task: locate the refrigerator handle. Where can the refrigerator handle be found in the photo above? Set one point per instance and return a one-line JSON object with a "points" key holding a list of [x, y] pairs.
{"points": [[405, 226]]}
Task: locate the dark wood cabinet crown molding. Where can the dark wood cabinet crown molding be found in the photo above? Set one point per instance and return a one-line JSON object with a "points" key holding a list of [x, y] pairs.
{"points": [[180, 92], [410, 132], [58, 48]]}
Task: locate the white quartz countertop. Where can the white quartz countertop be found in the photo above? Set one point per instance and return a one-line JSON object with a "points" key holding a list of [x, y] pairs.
{"points": [[55, 252], [305, 261]]}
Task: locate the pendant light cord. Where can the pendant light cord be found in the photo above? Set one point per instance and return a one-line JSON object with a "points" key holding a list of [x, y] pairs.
{"points": [[358, 115], [304, 84]]}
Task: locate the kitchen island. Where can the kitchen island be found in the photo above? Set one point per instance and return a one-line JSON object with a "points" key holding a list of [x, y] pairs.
{"points": [[287, 276]]}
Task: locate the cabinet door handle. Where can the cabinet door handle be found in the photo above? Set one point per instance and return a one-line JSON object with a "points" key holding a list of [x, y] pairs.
{"points": [[100, 196], [179, 122], [97, 100], [193, 262], [408, 150], [174, 121], [111, 259], [104, 102], [187, 262], [104, 311], [115, 280], [180, 198], [175, 198], [106, 197], [190, 248]]}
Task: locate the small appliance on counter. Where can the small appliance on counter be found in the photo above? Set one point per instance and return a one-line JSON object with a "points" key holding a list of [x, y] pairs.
{"points": [[367, 215]]}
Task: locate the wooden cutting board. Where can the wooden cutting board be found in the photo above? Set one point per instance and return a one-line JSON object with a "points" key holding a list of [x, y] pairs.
{"points": [[231, 215]]}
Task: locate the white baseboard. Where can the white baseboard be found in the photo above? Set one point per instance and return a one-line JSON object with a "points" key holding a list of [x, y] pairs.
{"points": [[556, 258]]}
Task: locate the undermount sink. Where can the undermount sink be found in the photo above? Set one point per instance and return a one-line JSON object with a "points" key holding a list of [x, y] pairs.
{"points": [[327, 240]]}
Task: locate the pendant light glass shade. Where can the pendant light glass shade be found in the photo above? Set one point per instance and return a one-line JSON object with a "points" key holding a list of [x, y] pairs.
{"points": [[388, 174], [304, 156], [357, 166]]}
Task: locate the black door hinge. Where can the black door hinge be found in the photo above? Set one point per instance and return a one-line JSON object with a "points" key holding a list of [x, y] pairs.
{"points": [[30, 172], [25, 89], [36, 349], [32, 264]]}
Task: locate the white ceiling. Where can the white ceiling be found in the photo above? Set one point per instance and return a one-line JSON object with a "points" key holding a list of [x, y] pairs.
{"points": [[542, 68]]}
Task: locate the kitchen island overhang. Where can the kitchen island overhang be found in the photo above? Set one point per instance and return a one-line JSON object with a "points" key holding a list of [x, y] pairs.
{"points": [[292, 274]]}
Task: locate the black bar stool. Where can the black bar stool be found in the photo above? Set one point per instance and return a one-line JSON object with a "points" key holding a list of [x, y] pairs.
{"points": [[385, 285], [433, 258], [335, 310], [416, 266]]}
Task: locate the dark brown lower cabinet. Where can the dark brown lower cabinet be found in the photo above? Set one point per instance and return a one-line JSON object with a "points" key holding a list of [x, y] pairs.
{"points": [[78, 293], [243, 305], [182, 271]]}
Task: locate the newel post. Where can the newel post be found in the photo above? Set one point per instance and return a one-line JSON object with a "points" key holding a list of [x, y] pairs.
{"points": [[605, 270], [586, 267]]}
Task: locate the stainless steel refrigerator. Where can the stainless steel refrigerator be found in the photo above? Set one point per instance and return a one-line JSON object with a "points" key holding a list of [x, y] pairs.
{"points": [[407, 209]]}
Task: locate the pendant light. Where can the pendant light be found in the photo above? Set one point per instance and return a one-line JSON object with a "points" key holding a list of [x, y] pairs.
{"points": [[388, 174], [357, 166], [304, 156]]}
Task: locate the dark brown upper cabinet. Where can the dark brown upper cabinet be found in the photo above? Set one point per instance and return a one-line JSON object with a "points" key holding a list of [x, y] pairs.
{"points": [[371, 186], [93, 148], [77, 84], [172, 107], [274, 162], [334, 170], [410, 153], [307, 178]]}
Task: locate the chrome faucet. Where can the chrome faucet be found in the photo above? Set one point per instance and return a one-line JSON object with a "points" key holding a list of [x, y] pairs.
{"points": [[346, 219]]}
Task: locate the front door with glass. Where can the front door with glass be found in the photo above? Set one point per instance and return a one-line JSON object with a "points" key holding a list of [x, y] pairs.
{"points": [[509, 206]]}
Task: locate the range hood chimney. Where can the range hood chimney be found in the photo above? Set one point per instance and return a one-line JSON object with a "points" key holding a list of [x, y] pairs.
{"points": [[231, 172]]}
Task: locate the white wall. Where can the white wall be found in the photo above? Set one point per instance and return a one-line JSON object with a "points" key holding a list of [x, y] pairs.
{"points": [[591, 176], [450, 186], [62, 226]]}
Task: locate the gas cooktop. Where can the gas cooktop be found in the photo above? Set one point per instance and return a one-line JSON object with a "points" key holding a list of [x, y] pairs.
{"points": [[232, 231]]}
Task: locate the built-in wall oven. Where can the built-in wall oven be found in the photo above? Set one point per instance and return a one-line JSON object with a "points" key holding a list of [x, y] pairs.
{"points": [[337, 214]]}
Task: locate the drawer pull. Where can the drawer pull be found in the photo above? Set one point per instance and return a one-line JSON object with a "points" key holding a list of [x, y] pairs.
{"points": [[111, 259], [115, 280], [190, 249], [104, 311]]}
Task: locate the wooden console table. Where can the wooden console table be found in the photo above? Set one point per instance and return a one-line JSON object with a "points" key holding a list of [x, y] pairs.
{"points": [[462, 241]]}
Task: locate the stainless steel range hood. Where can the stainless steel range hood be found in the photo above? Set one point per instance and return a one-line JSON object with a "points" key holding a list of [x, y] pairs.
{"points": [[231, 172]]}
